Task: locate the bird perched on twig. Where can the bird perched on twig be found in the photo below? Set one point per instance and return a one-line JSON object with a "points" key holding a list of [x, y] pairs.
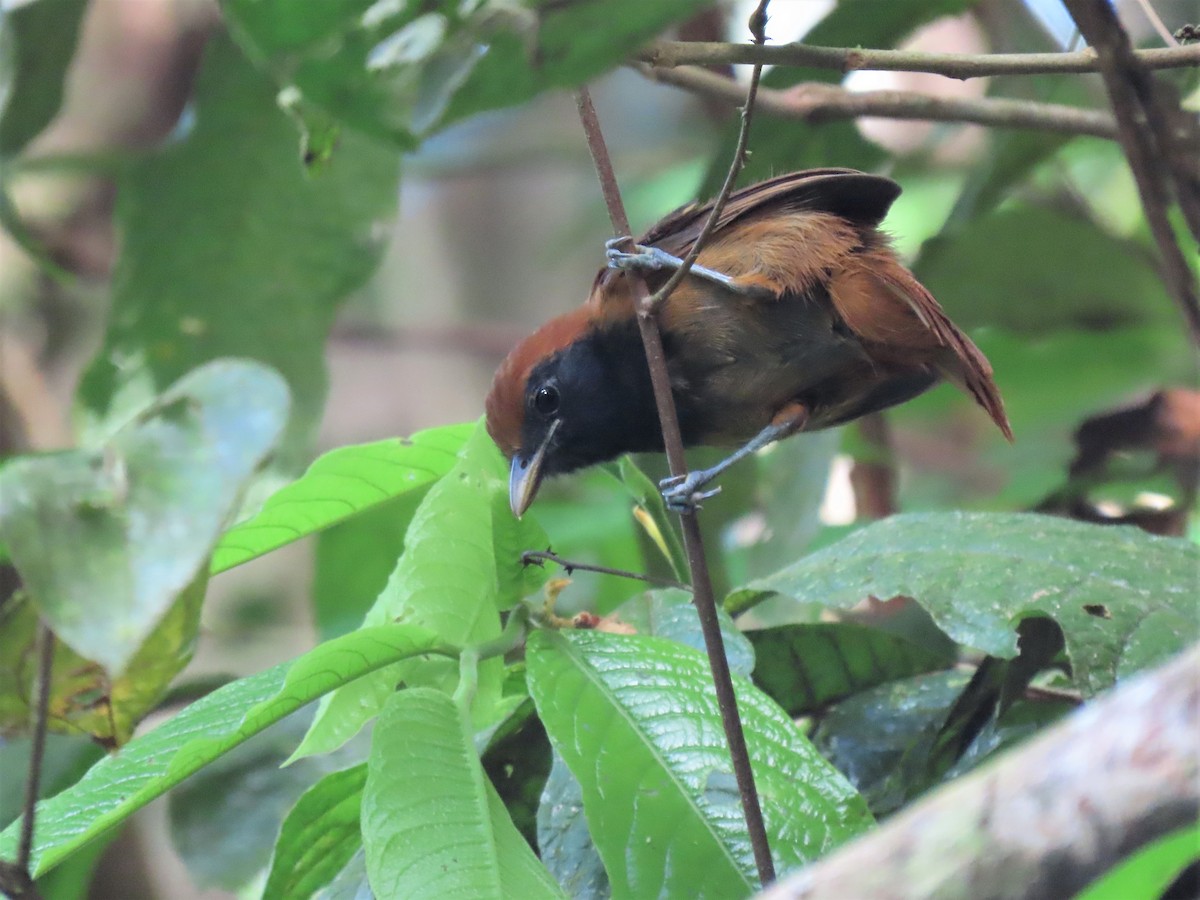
{"points": [[796, 317]]}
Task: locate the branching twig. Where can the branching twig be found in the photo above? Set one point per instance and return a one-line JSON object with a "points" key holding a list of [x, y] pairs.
{"points": [[818, 102], [537, 557], [15, 878], [703, 594], [1147, 132], [962, 66], [1045, 819], [758, 24]]}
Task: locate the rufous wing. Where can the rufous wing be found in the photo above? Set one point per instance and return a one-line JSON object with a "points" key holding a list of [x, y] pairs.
{"points": [[898, 319]]}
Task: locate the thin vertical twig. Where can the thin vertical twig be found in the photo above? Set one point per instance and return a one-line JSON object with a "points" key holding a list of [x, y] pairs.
{"points": [[15, 878], [1147, 133], [702, 588], [758, 25], [37, 750]]}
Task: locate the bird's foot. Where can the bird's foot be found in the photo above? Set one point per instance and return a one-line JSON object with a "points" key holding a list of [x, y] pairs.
{"points": [[652, 259], [682, 492]]}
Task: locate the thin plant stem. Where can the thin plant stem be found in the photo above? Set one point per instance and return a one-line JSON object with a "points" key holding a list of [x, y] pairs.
{"points": [[703, 594]]}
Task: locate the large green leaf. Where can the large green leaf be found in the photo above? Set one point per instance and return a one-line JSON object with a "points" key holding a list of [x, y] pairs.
{"points": [[340, 485], [432, 824], [449, 580], [229, 248], [318, 837], [119, 785], [804, 667], [106, 540], [636, 720], [37, 43], [404, 70], [980, 574]]}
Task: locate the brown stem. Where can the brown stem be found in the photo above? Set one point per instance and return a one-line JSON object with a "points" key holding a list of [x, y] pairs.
{"points": [[1146, 130], [702, 589], [1043, 820], [15, 878], [817, 102], [667, 54], [735, 168], [537, 557], [873, 476]]}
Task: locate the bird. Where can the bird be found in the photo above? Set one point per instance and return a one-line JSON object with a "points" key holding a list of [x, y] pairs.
{"points": [[797, 316]]}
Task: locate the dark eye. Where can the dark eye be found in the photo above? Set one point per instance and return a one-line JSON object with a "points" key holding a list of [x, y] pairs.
{"points": [[545, 401]]}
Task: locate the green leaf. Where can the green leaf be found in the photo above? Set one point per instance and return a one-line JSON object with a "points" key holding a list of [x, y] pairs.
{"points": [[564, 841], [635, 717], [319, 836], [340, 485], [37, 43], [1003, 269], [405, 70], [1149, 872], [353, 560], [106, 540], [448, 580], [980, 574], [84, 699], [881, 738], [225, 819], [646, 495], [670, 613], [229, 248], [805, 667], [432, 824], [148, 766]]}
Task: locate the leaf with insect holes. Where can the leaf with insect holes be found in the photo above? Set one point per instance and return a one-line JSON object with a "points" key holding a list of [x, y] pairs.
{"points": [[105, 540], [980, 574]]}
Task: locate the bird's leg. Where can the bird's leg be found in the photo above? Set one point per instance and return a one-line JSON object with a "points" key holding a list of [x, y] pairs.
{"points": [[682, 492], [655, 258]]}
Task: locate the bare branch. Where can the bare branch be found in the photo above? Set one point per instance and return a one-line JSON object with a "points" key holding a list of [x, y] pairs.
{"points": [[667, 54], [817, 102], [1158, 143], [1045, 819], [537, 557]]}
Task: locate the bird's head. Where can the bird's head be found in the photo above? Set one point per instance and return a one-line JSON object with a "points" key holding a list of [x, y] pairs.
{"points": [[574, 393]]}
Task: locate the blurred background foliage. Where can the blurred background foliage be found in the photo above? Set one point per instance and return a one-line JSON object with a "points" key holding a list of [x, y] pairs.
{"points": [[383, 234]]}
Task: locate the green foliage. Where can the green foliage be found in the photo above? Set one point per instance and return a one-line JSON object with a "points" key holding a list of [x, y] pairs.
{"points": [[199, 278], [1149, 873], [805, 667], [426, 796], [402, 71], [980, 574], [507, 755], [37, 42], [149, 505], [342, 484], [635, 716], [118, 786]]}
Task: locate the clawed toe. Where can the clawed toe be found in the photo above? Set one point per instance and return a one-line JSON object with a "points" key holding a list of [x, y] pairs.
{"points": [[682, 493]]}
